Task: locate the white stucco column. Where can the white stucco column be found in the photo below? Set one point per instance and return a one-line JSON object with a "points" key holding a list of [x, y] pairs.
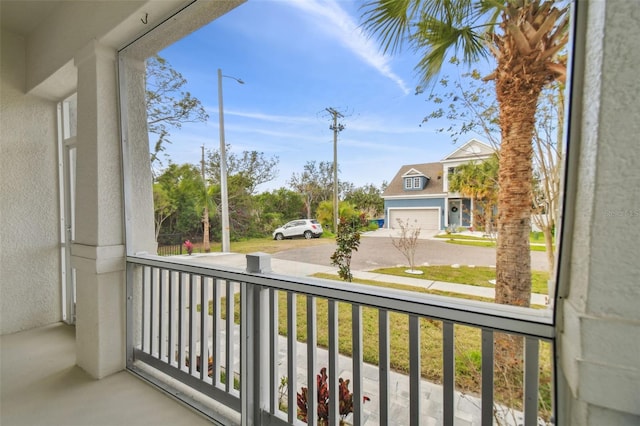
{"points": [[138, 179], [598, 312], [98, 251]]}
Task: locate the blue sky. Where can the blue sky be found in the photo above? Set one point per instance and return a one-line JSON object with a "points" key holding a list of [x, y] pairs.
{"points": [[297, 58]]}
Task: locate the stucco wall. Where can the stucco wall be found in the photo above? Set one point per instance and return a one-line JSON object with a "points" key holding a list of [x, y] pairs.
{"points": [[30, 293], [598, 310]]}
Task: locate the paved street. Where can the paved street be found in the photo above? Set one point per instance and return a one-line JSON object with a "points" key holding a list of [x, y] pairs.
{"points": [[377, 251]]}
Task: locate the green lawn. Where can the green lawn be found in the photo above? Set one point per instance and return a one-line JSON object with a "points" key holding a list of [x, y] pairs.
{"points": [[468, 242], [461, 237], [535, 238], [478, 276], [486, 243]]}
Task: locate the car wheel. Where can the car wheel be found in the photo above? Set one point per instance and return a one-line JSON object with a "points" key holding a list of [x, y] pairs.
{"points": [[279, 237], [307, 235]]}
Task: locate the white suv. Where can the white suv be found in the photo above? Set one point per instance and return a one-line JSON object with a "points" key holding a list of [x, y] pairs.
{"points": [[308, 228]]}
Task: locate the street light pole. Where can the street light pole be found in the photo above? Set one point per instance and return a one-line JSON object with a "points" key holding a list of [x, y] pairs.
{"points": [[205, 215], [224, 195]]}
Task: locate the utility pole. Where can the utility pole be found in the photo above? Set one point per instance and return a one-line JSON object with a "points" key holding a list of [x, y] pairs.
{"points": [[224, 192], [205, 215], [336, 129]]}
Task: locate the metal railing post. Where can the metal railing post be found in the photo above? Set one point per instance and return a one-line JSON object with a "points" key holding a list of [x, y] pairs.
{"points": [[254, 334], [129, 316]]}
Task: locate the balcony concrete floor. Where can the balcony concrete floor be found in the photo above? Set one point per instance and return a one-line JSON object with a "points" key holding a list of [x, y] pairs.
{"points": [[40, 384]]}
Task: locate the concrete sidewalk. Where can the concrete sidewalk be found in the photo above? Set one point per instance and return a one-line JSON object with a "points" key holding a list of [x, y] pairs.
{"points": [[301, 269], [424, 234]]}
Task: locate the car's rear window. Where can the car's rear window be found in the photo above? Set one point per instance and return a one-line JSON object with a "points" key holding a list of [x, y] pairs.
{"points": [[315, 222]]}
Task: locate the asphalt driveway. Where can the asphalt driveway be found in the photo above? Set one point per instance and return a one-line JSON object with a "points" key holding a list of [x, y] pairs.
{"points": [[379, 252]]}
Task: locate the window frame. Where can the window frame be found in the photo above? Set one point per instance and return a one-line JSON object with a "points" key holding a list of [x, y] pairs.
{"points": [[408, 183]]}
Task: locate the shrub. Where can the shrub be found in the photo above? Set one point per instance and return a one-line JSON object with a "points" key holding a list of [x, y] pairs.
{"points": [[344, 396], [189, 246], [348, 240]]}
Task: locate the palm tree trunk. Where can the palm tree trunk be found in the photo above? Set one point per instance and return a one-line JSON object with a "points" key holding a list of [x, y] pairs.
{"points": [[513, 256], [205, 232]]}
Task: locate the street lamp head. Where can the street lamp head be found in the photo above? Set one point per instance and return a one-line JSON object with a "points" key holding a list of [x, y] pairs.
{"points": [[220, 75], [239, 80]]}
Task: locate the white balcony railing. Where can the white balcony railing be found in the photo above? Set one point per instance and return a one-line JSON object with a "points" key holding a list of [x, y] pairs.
{"points": [[179, 313]]}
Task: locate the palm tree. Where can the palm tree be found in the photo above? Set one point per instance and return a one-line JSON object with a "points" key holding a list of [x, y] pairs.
{"points": [[524, 37], [478, 181]]}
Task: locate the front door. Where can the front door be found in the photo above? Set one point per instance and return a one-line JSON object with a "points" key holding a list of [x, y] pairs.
{"points": [[454, 213]]}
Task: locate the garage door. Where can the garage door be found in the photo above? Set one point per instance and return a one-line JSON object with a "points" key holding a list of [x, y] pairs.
{"points": [[426, 219]]}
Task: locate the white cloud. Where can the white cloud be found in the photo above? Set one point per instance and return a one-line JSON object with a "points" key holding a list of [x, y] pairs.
{"points": [[272, 118], [383, 126], [350, 35], [282, 119]]}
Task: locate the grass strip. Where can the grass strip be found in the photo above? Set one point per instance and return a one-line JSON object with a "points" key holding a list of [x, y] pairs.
{"points": [[477, 276]]}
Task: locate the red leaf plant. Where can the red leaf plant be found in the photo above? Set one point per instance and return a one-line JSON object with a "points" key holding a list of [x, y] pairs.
{"points": [[189, 246], [345, 399]]}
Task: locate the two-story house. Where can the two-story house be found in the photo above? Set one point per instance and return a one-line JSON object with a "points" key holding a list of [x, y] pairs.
{"points": [[419, 193]]}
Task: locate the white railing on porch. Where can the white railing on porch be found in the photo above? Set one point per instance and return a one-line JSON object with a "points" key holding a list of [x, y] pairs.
{"points": [[240, 363]]}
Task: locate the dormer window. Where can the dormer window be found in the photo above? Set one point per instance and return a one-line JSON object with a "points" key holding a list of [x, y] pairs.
{"points": [[414, 180], [413, 183], [408, 183]]}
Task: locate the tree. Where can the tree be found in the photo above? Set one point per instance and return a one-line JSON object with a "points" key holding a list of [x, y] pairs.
{"points": [[346, 211], [347, 241], [244, 173], [468, 104], [315, 183], [548, 158], [367, 199], [524, 37], [253, 166], [470, 107], [278, 207], [407, 243], [479, 181], [168, 105], [163, 206], [184, 188]]}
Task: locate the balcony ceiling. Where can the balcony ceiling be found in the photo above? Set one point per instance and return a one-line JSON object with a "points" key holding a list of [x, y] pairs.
{"points": [[22, 17]]}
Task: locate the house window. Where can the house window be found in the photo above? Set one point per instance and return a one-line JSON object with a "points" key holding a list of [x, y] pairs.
{"points": [[408, 183], [413, 183]]}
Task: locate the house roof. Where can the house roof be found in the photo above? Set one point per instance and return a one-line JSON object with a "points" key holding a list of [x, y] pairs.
{"points": [[473, 149], [432, 170]]}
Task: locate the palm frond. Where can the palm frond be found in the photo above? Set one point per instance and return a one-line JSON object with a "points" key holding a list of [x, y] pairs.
{"points": [[438, 38], [390, 21]]}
